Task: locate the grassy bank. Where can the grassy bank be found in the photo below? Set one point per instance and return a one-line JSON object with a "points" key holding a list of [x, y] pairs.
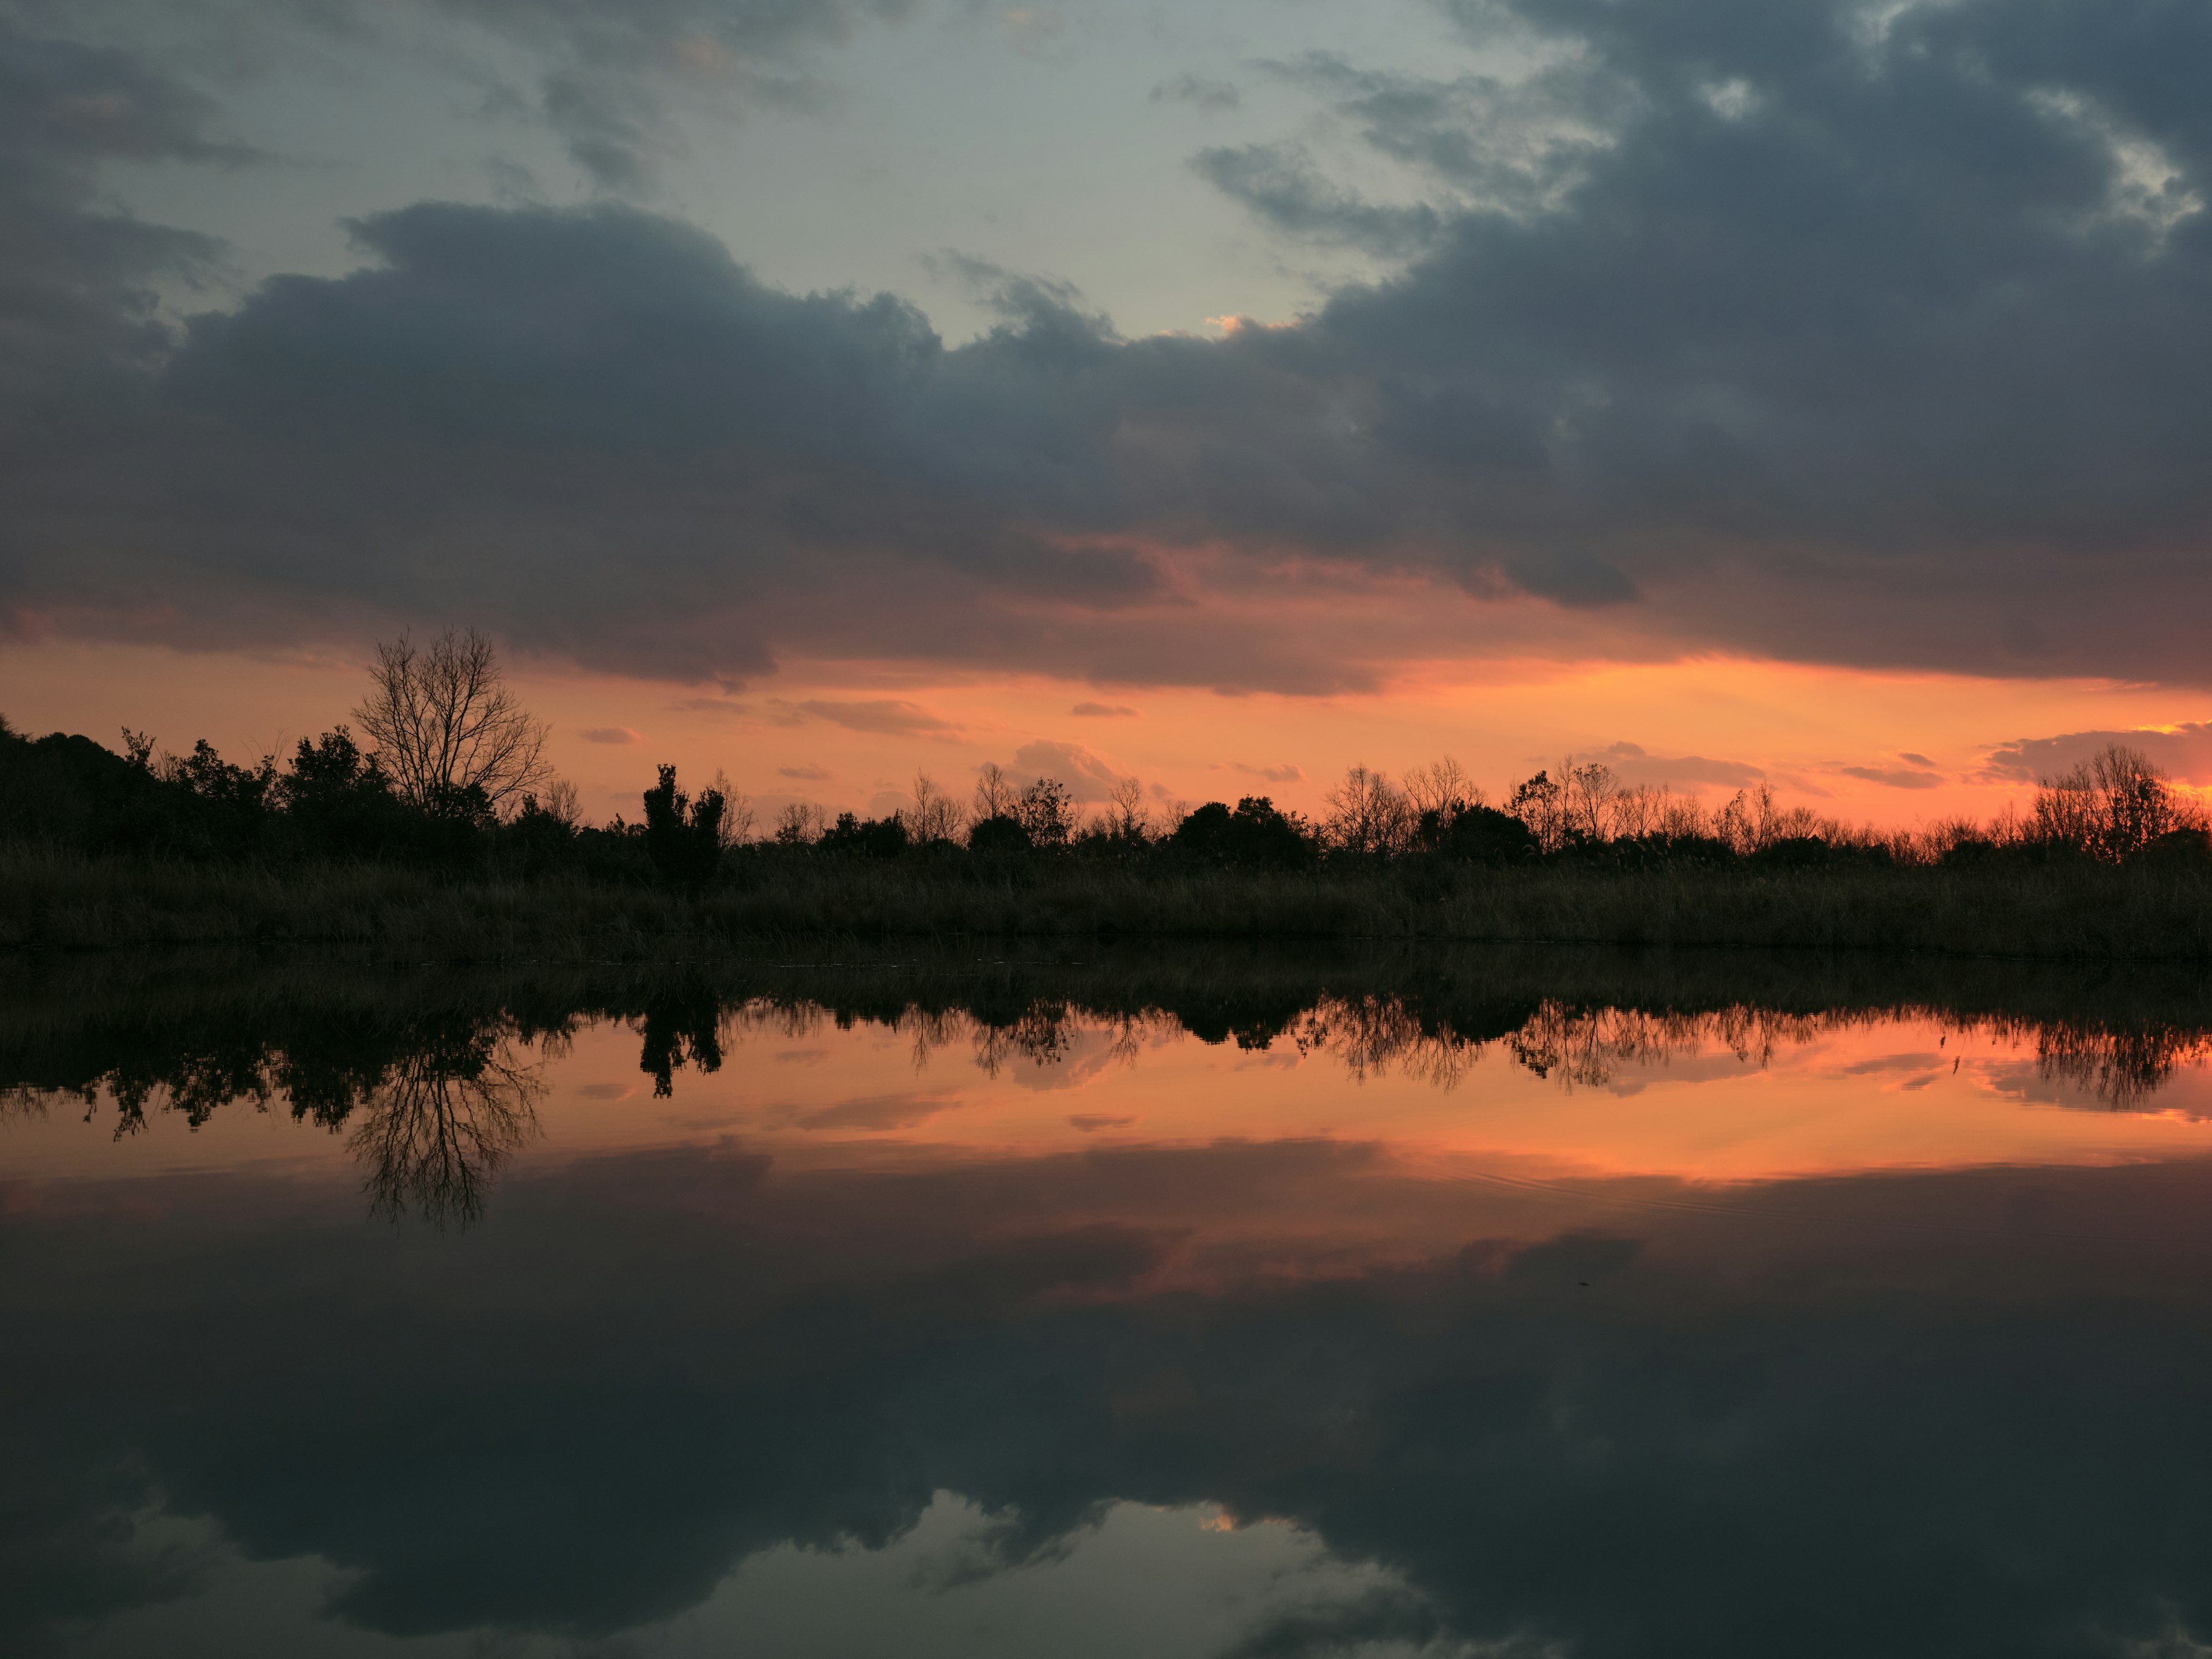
{"points": [[2072, 912]]}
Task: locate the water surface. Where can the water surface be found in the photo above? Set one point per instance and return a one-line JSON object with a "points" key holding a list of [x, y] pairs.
{"points": [[1226, 1306]]}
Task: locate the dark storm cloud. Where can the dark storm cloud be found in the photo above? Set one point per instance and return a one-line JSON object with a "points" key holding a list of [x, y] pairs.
{"points": [[1801, 332]]}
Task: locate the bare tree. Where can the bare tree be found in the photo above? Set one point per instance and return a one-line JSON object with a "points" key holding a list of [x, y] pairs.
{"points": [[1442, 788], [562, 802], [1587, 801], [738, 811], [800, 824], [1125, 816], [446, 723], [2111, 804], [936, 815], [1368, 814], [996, 796]]}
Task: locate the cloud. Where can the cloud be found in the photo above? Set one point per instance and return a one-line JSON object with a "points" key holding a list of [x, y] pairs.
{"points": [[1208, 97], [1286, 773], [1631, 765], [609, 734], [1103, 711], [884, 714], [1280, 183], [1848, 420], [2184, 751], [1917, 760], [1088, 778], [1893, 777], [803, 774]]}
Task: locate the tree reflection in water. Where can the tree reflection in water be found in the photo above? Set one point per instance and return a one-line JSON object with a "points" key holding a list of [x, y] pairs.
{"points": [[434, 1102], [433, 1133]]}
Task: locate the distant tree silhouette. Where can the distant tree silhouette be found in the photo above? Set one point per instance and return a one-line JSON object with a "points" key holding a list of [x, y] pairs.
{"points": [[1257, 836], [1046, 813], [936, 815], [1368, 814], [1001, 832], [682, 838], [995, 794], [876, 838], [448, 730]]}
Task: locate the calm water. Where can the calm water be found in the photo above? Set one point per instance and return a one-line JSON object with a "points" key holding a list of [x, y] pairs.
{"points": [[1210, 1308]]}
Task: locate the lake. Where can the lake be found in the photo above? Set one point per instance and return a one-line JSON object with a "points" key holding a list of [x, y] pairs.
{"points": [[1162, 1303]]}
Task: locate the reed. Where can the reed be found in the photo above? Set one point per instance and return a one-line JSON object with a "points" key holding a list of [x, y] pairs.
{"points": [[2079, 911]]}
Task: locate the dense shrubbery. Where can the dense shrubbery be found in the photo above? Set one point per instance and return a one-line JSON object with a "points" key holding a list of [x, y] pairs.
{"points": [[331, 800]]}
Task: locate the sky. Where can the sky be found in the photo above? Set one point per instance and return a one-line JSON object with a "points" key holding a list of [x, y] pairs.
{"points": [[1215, 394]]}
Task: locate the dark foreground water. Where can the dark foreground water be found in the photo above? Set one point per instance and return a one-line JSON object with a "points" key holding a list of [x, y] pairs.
{"points": [[1161, 1307]]}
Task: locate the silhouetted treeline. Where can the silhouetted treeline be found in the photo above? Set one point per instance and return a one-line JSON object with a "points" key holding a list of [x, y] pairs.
{"points": [[409, 801]]}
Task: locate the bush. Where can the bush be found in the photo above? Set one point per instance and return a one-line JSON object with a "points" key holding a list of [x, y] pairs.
{"points": [[999, 833], [876, 838], [1478, 835], [1256, 835], [682, 838]]}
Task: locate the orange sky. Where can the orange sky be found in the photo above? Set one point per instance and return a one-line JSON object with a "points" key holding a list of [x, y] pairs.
{"points": [[1799, 725]]}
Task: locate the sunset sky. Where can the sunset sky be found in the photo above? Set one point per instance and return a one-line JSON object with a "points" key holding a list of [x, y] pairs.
{"points": [[1217, 393]]}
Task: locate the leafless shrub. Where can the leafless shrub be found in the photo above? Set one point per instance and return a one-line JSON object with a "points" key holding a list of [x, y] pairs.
{"points": [[1440, 788], [739, 812], [563, 803], [996, 795], [1367, 814], [1125, 817], [800, 824], [936, 815], [2116, 803]]}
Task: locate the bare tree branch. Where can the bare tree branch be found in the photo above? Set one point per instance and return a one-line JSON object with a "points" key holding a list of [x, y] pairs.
{"points": [[445, 723]]}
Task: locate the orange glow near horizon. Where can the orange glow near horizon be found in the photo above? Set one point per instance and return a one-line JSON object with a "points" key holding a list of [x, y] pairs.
{"points": [[1877, 1096], [851, 735]]}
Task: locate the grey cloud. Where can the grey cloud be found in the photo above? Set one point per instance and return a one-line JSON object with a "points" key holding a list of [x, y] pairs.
{"points": [[885, 714], [609, 734], [804, 773], [2185, 751], [75, 301], [1894, 777], [1882, 363], [1088, 778], [1103, 711], [1286, 773], [1387, 1616], [1281, 183], [1631, 765], [1917, 760], [1507, 146], [1212, 97]]}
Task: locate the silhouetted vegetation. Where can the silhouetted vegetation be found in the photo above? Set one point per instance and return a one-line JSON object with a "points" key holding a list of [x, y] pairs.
{"points": [[340, 839], [433, 1078]]}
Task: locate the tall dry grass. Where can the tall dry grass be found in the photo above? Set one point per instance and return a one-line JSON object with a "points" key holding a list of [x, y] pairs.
{"points": [[2082, 911]]}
